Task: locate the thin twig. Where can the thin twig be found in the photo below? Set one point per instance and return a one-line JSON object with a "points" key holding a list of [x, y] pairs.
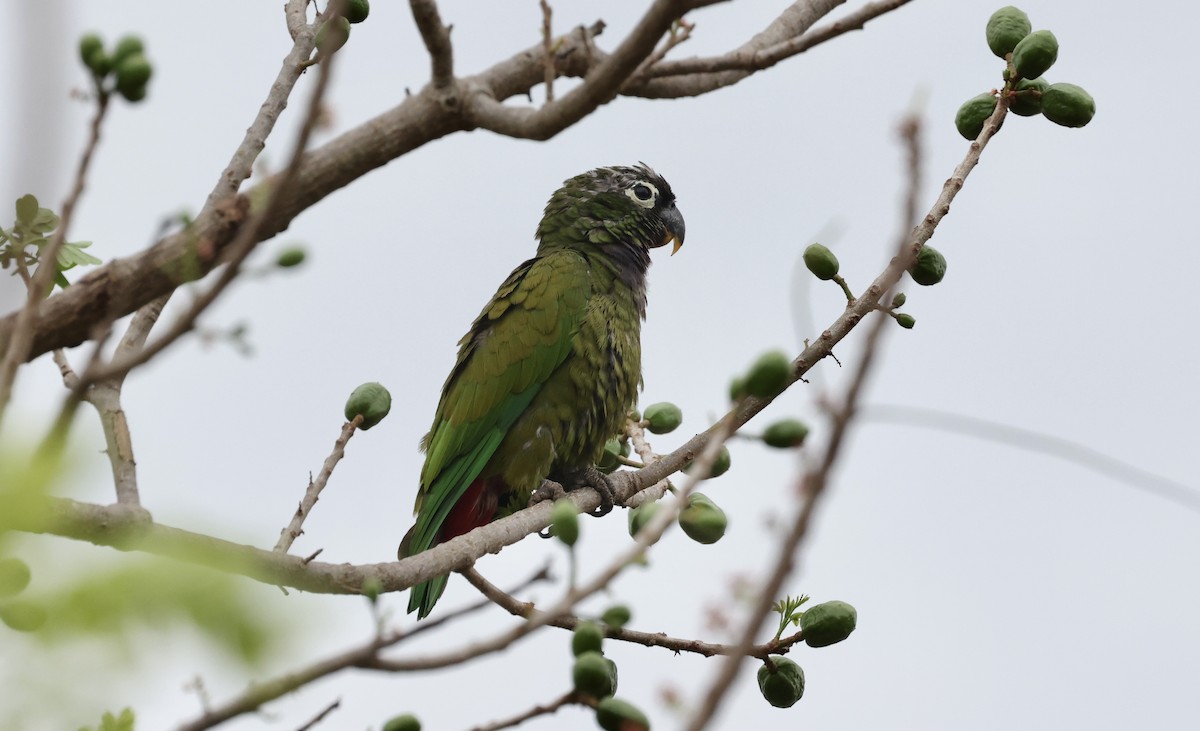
{"points": [[547, 49], [436, 37], [544, 709], [293, 529], [260, 693], [518, 608], [42, 281], [321, 716], [1035, 441]]}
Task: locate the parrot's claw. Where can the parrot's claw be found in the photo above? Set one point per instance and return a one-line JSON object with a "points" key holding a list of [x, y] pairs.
{"points": [[598, 481], [549, 490]]}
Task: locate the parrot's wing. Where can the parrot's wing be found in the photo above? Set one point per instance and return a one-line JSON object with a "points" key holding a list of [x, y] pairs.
{"points": [[519, 339]]}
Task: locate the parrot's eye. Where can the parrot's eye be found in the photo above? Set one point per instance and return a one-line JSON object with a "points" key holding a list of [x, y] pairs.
{"points": [[644, 194]]}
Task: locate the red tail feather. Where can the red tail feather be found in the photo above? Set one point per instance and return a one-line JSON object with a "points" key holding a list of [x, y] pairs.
{"points": [[476, 507]]}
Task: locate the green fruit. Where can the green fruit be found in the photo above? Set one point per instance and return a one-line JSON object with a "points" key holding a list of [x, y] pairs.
{"points": [[1035, 54], [330, 39], [663, 418], [23, 616], [588, 637], [737, 388], [564, 521], [357, 10], [781, 681], [1005, 29], [929, 268], [613, 714], [702, 520], [769, 374], [610, 460], [821, 262], [126, 47], [592, 674], [720, 465], [290, 257], [640, 516], [785, 434], [906, 321], [1026, 100], [899, 300], [133, 94], [616, 616], [1068, 105], [14, 576], [89, 45], [973, 114], [132, 72], [370, 400], [828, 623], [406, 722]]}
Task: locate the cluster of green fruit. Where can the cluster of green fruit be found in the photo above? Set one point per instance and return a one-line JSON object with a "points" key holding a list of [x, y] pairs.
{"points": [[127, 64], [927, 269], [1028, 54], [594, 676], [333, 34], [780, 680], [20, 615]]}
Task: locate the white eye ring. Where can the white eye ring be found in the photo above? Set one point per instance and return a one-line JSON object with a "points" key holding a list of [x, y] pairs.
{"points": [[648, 202]]}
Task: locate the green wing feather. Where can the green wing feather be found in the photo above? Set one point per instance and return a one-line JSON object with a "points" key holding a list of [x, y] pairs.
{"points": [[521, 337]]}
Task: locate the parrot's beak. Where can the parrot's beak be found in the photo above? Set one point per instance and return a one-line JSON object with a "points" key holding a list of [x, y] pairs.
{"points": [[675, 228]]}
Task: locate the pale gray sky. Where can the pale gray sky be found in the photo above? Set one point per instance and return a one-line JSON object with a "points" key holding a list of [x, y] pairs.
{"points": [[995, 588]]}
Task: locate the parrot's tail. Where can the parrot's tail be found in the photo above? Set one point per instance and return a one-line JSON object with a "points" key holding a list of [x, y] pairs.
{"points": [[422, 597]]}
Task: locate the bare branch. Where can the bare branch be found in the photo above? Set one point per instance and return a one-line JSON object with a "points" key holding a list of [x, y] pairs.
{"points": [[548, 50], [484, 109], [756, 56], [518, 608], [260, 693], [544, 709], [321, 716], [437, 41], [293, 530]]}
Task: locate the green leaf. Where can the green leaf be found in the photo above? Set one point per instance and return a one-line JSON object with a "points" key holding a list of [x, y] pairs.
{"points": [[73, 253], [45, 221], [27, 209]]}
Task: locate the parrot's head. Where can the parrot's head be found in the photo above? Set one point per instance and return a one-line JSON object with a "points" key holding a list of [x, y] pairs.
{"points": [[614, 208]]}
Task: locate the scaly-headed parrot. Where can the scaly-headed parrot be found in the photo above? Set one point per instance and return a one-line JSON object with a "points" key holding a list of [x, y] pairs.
{"points": [[551, 366]]}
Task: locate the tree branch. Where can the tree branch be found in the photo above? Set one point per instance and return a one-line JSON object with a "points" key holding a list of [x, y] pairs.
{"points": [[260, 693], [527, 610], [293, 530], [437, 41]]}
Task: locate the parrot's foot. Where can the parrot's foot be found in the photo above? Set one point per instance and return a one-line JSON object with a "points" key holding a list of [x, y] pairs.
{"points": [[598, 481], [590, 477]]}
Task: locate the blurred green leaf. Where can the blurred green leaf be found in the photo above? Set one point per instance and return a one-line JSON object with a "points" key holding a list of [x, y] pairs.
{"points": [[162, 594], [73, 254], [45, 221]]}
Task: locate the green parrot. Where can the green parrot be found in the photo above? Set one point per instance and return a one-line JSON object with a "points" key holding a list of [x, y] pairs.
{"points": [[549, 369]]}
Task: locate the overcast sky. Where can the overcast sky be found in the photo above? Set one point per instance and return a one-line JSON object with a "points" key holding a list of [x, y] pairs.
{"points": [[996, 588]]}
